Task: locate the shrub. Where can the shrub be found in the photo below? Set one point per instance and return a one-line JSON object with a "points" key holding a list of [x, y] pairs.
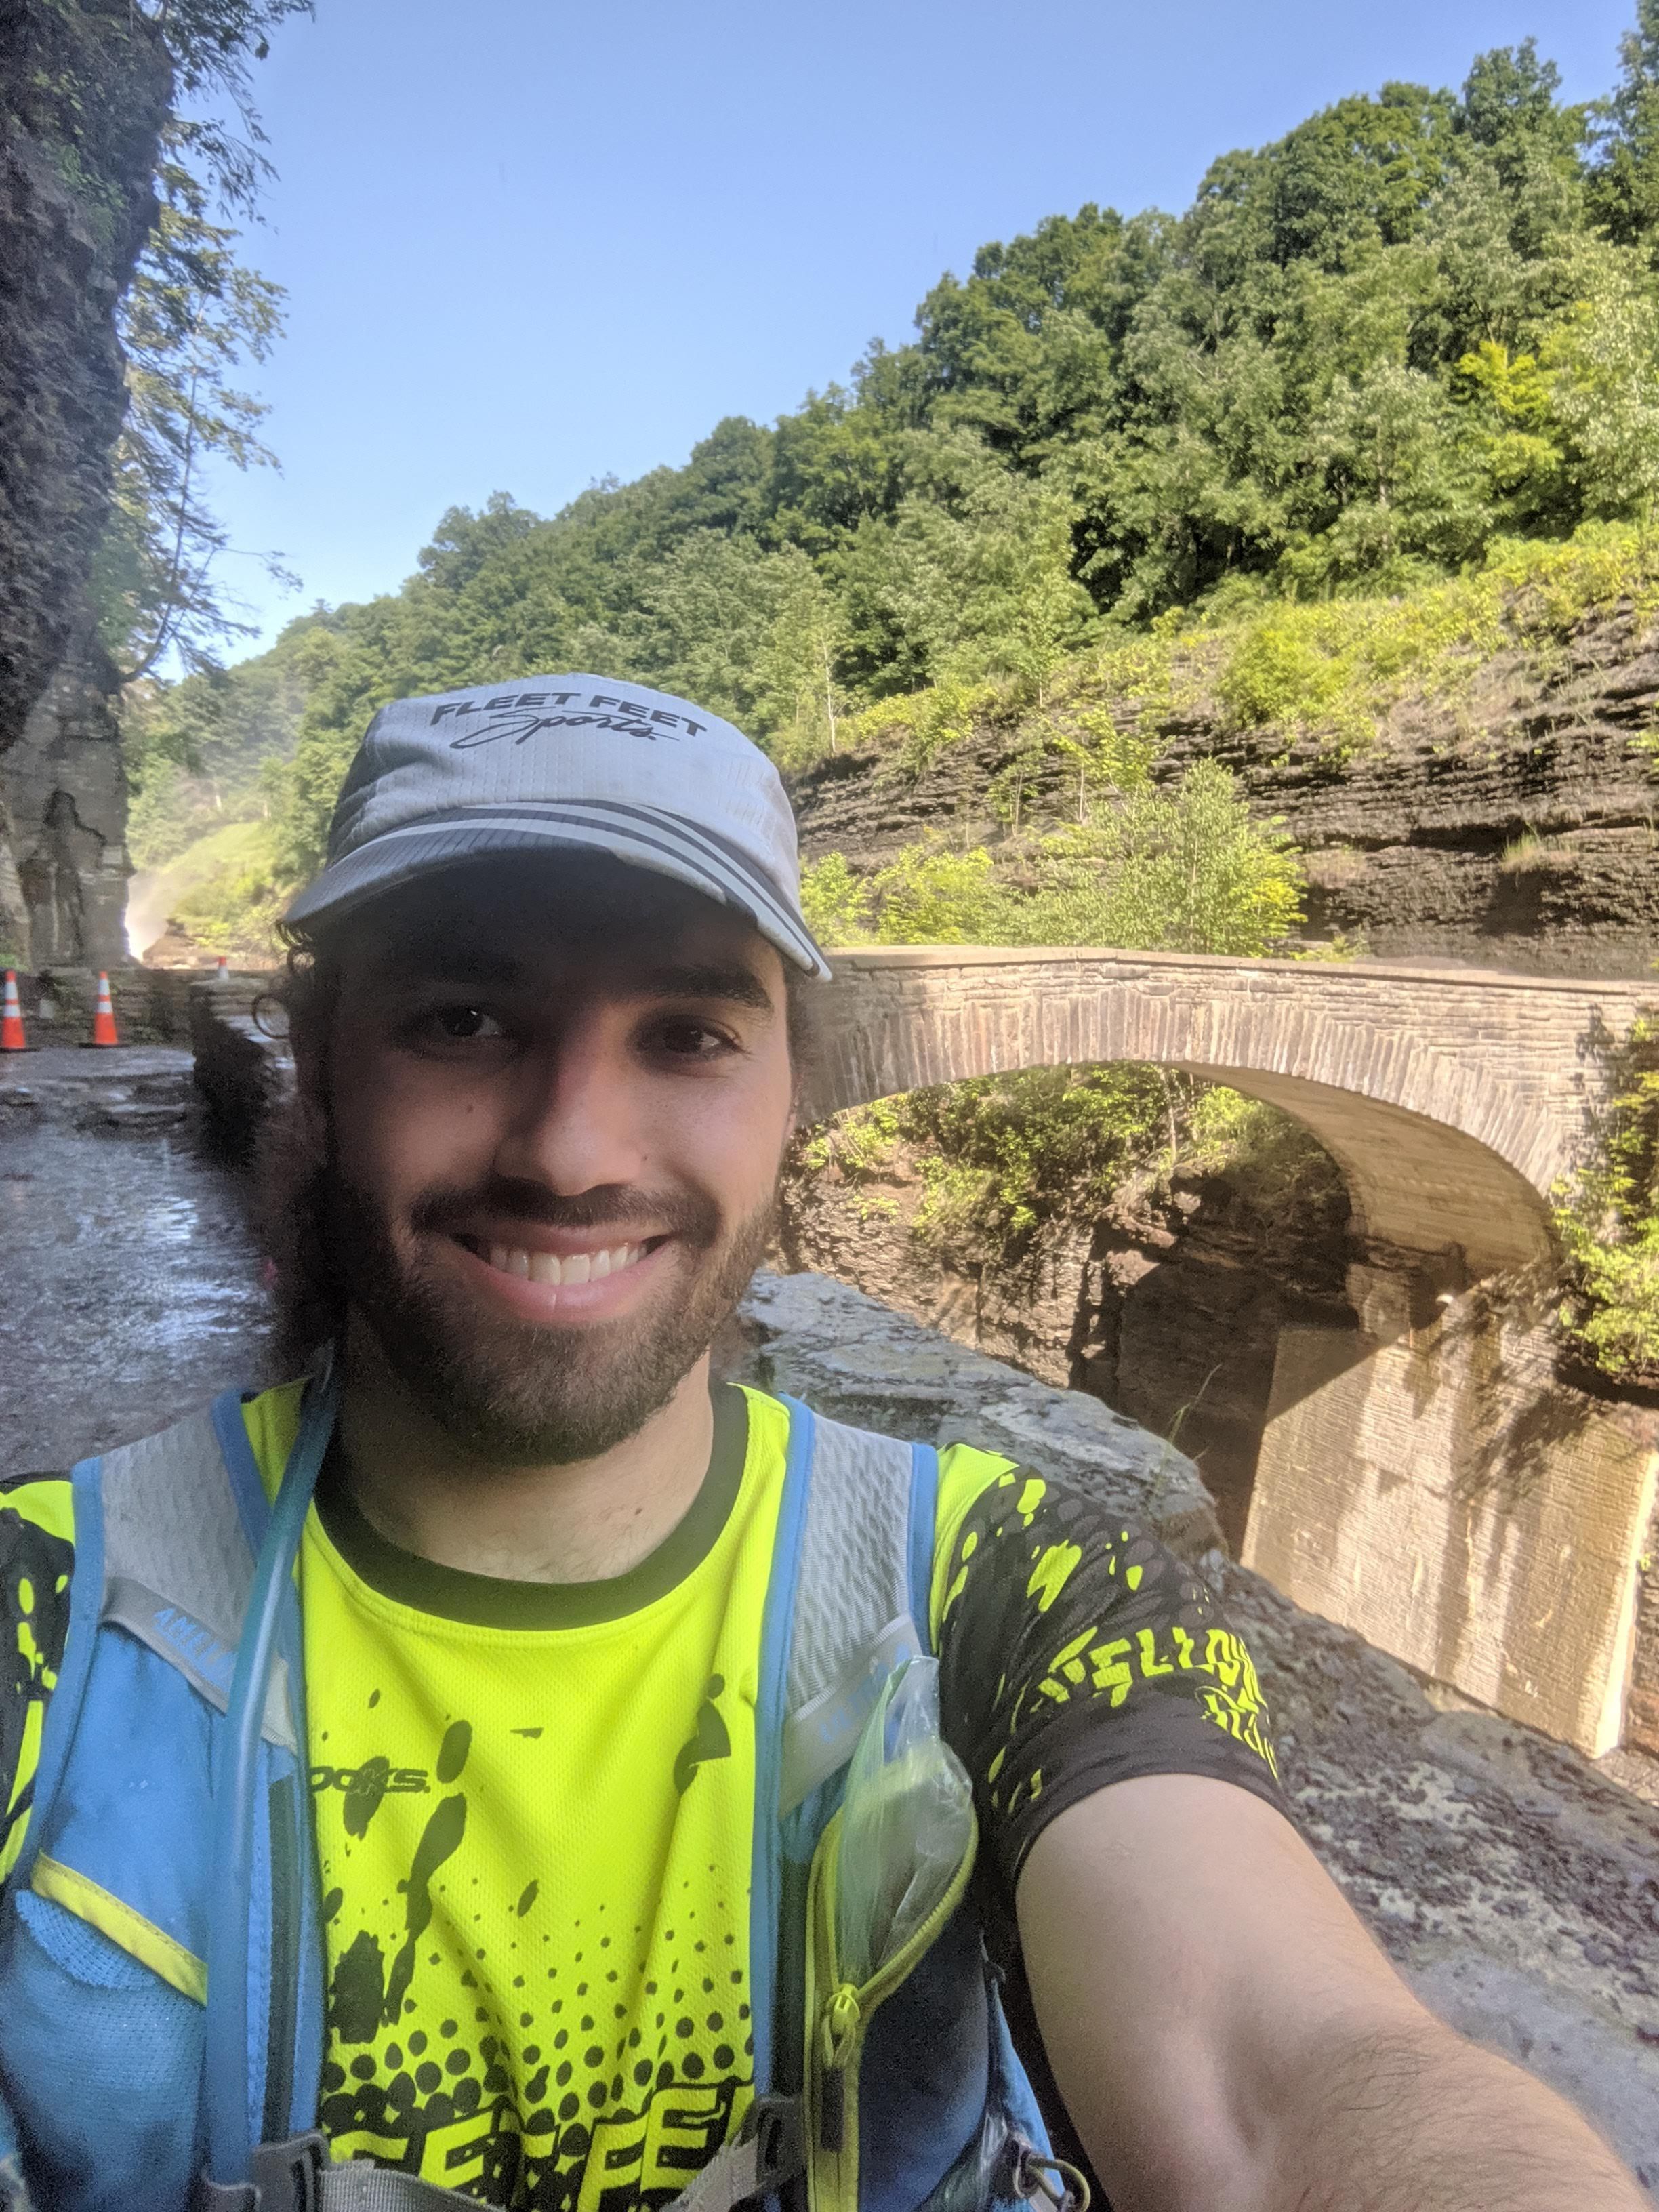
{"points": [[1608, 1221], [834, 902], [1277, 673]]}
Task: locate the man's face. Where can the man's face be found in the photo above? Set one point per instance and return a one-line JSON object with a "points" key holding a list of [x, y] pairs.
{"points": [[555, 1096]]}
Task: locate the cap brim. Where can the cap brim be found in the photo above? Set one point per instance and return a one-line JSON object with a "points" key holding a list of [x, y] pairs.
{"points": [[639, 837]]}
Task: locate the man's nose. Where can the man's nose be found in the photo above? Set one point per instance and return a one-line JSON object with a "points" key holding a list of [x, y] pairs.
{"points": [[576, 1122]]}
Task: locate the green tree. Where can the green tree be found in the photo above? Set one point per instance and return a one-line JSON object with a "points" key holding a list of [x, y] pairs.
{"points": [[1183, 869], [835, 901], [798, 691], [1601, 359], [931, 896], [1608, 1219], [190, 316], [971, 577], [1624, 188]]}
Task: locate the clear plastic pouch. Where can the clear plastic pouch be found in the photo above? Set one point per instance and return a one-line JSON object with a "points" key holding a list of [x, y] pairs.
{"points": [[907, 1825]]}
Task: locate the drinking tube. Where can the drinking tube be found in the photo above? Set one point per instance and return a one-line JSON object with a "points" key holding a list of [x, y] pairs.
{"points": [[229, 2141]]}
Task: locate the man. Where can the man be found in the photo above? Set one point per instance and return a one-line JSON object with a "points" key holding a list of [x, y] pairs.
{"points": [[572, 1920]]}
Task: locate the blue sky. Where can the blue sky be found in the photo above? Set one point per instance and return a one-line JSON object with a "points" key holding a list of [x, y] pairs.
{"points": [[528, 244]]}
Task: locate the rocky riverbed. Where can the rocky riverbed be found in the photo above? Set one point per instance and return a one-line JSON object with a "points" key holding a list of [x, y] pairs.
{"points": [[1515, 1884]]}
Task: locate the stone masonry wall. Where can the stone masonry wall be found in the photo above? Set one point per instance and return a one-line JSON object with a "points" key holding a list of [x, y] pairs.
{"points": [[1439, 1489]]}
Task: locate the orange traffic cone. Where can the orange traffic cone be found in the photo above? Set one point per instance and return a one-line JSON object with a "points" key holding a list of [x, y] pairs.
{"points": [[103, 1016], [222, 973], [11, 1018]]}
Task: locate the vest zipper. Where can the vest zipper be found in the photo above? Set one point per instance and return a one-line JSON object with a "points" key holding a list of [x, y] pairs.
{"points": [[842, 2016], [838, 2022]]}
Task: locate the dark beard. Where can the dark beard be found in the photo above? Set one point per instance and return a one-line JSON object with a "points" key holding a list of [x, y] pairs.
{"points": [[515, 1394]]}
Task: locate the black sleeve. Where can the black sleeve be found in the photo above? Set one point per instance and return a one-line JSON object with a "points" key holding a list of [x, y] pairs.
{"points": [[1076, 1652], [36, 1558]]}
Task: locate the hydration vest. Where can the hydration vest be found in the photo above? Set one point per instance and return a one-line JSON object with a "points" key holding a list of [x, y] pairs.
{"points": [[911, 2101]]}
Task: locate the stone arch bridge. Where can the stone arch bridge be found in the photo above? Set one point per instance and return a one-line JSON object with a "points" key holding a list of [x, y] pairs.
{"points": [[1428, 1478], [1453, 1099]]}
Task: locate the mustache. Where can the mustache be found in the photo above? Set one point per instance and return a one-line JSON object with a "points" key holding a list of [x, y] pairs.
{"points": [[447, 1212]]}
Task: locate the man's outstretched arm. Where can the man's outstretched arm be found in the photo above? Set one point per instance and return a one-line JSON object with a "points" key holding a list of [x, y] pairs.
{"points": [[1225, 2033]]}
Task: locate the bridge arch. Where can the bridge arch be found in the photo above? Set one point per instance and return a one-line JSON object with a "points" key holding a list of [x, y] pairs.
{"points": [[1427, 1479], [1452, 1100]]}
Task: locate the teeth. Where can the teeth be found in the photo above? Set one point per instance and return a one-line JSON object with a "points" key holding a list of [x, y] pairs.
{"points": [[579, 1268]]}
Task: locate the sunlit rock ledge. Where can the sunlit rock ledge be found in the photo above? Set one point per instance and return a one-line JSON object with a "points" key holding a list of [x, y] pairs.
{"points": [[859, 1361]]}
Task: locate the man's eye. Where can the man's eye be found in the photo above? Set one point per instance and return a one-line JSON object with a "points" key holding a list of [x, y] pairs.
{"points": [[460, 1024], [691, 1040]]}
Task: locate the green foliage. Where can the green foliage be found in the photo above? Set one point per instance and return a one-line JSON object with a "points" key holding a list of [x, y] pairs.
{"points": [[1003, 1153], [1001, 1158], [931, 896], [1339, 666], [1182, 870], [190, 317], [200, 753], [1609, 1222], [1278, 672], [227, 890], [1625, 184], [834, 902]]}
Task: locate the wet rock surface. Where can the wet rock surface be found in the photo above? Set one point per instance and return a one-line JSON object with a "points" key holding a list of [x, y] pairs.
{"points": [[132, 1290]]}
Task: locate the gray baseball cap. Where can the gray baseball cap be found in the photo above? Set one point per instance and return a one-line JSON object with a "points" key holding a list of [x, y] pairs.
{"points": [[561, 762]]}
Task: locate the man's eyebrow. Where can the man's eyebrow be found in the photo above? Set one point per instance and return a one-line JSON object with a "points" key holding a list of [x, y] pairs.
{"points": [[731, 981]]}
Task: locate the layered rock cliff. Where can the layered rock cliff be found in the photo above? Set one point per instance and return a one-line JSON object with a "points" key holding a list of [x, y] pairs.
{"points": [[1517, 828]]}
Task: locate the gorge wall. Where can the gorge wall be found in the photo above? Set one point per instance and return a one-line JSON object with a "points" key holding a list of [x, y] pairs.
{"points": [[1167, 1304], [85, 87], [1410, 840]]}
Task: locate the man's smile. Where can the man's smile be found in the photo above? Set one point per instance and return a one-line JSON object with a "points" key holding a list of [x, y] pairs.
{"points": [[535, 1270], [573, 1267]]}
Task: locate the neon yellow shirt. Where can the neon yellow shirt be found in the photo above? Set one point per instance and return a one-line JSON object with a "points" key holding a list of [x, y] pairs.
{"points": [[534, 1848], [535, 1807]]}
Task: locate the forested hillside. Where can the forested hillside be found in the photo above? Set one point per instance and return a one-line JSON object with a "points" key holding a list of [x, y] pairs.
{"points": [[1419, 328]]}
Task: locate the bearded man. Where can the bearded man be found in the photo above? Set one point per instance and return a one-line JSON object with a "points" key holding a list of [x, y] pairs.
{"points": [[506, 1767]]}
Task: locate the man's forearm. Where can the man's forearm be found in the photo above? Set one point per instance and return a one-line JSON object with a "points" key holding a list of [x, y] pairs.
{"points": [[1418, 2120]]}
